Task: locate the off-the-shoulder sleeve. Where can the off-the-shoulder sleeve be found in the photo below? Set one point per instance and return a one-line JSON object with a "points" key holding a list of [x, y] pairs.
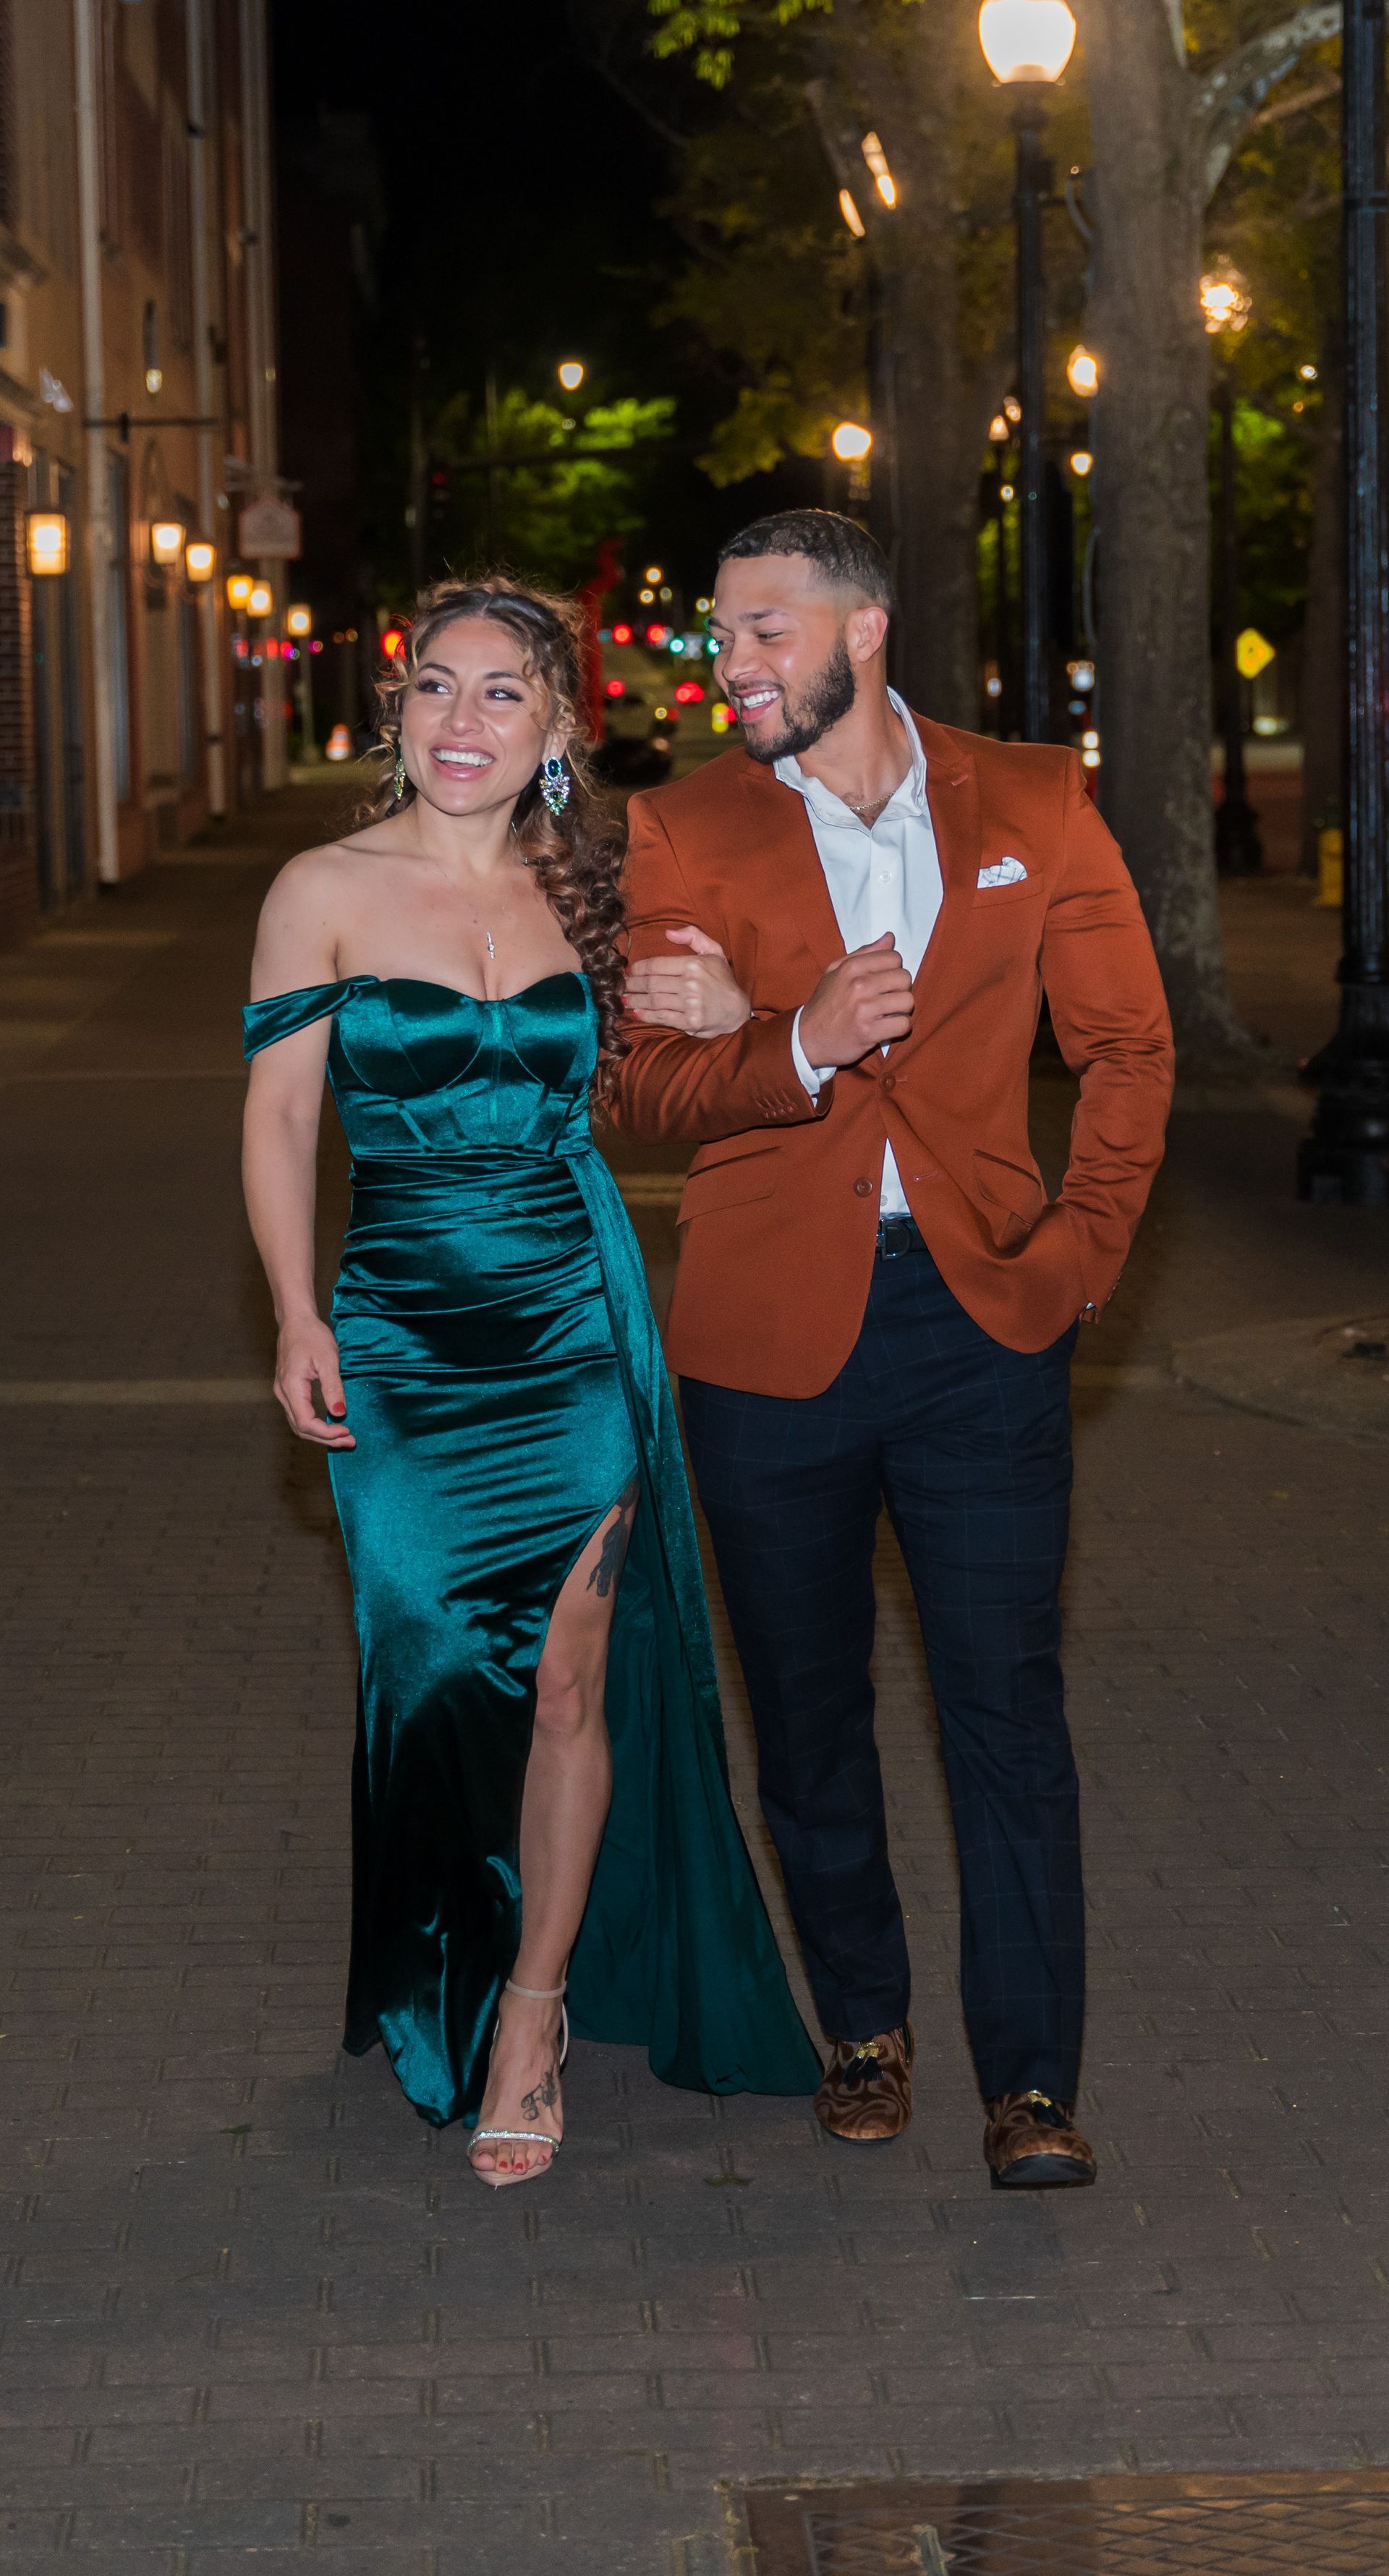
{"points": [[281, 1014]]}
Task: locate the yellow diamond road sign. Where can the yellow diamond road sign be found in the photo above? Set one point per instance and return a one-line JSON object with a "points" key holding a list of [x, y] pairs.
{"points": [[1253, 653]]}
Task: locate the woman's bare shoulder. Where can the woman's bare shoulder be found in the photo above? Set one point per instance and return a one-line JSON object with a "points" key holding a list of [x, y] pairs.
{"points": [[328, 871]]}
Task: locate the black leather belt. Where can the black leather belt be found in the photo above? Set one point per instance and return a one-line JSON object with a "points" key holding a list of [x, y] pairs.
{"points": [[896, 1235]]}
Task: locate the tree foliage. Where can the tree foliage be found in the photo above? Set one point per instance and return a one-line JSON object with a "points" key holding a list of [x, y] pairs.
{"points": [[560, 484]]}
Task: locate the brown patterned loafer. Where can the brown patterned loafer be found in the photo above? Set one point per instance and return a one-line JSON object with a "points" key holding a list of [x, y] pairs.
{"points": [[1032, 2144], [866, 2094]]}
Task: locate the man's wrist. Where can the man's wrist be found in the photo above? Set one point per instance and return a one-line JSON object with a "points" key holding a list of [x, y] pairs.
{"points": [[805, 1071], [813, 1076]]}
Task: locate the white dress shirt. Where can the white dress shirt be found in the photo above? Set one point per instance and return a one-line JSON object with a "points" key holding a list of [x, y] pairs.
{"points": [[886, 878]]}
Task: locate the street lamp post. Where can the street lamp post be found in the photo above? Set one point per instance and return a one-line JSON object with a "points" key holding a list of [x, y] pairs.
{"points": [[1346, 1157], [1027, 44], [1225, 305], [1033, 183]]}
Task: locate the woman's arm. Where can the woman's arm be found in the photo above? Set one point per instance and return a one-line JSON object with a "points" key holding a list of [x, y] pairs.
{"points": [[279, 1154]]}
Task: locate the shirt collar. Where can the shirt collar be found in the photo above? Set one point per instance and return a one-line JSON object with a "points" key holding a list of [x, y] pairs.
{"points": [[907, 798]]}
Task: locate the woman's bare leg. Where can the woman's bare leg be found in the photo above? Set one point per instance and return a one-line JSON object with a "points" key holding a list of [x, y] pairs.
{"points": [[564, 1808]]}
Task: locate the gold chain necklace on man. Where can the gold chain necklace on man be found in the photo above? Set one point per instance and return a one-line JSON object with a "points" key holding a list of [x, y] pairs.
{"points": [[868, 808]]}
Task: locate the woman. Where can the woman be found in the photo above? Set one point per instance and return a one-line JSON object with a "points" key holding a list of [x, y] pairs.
{"points": [[539, 1790]]}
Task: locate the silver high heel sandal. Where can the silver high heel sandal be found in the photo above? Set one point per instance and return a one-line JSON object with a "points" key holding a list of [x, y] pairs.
{"points": [[526, 2137]]}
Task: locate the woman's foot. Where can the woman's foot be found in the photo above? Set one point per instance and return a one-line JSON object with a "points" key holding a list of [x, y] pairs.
{"points": [[523, 2092]]}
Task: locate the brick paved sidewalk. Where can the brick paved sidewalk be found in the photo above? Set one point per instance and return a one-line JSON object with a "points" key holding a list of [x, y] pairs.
{"points": [[254, 2306]]}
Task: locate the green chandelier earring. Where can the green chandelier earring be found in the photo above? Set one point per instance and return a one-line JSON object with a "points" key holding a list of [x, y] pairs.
{"points": [[555, 784], [398, 781]]}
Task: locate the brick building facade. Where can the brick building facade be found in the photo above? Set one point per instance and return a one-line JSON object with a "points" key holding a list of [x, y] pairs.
{"points": [[138, 394]]}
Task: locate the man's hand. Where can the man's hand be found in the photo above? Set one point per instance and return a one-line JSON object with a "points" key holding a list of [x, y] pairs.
{"points": [[698, 994], [864, 1000]]}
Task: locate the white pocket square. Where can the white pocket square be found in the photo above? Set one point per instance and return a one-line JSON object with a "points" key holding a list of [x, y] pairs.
{"points": [[1003, 872]]}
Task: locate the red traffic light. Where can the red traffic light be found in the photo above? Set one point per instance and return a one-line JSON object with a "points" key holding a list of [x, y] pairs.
{"points": [[689, 694], [622, 635], [614, 688]]}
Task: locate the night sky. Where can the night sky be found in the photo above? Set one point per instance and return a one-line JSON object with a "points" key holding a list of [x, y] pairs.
{"points": [[517, 224]]}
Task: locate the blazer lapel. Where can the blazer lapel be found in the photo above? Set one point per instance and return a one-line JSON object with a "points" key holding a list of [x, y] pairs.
{"points": [[786, 846], [952, 792]]}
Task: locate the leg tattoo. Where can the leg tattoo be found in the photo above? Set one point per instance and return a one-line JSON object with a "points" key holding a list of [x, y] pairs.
{"points": [[613, 1553]]}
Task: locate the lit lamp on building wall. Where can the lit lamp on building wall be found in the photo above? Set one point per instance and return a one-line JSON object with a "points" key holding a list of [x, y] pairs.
{"points": [[1027, 45], [261, 602], [1225, 309], [200, 560], [239, 588], [46, 540], [166, 543], [299, 621]]}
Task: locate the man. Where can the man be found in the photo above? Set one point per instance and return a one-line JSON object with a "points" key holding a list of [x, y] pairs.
{"points": [[875, 1300]]}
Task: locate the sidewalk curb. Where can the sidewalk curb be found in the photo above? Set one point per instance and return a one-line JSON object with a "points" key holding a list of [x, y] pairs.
{"points": [[1301, 1371]]}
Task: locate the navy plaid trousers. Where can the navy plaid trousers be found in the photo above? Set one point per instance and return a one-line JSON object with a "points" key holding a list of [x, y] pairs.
{"points": [[969, 1445]]}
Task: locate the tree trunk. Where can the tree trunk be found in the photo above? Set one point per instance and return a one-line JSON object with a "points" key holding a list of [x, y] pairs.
{"points": [[1152, 500], [1323, 711], [932, 406], [937, 437]]}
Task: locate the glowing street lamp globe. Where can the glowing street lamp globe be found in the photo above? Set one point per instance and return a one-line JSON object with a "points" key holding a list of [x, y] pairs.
{"points": [[1026, 40], [571, 374], [851, 442], [1083, 371], [1226, 302]]}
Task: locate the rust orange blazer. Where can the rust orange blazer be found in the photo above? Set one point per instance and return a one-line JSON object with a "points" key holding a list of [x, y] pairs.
{"points": [[780, 1211]]}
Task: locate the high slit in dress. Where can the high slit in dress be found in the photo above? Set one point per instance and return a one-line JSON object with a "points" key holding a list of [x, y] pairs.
{"points": [[504, 1385]]}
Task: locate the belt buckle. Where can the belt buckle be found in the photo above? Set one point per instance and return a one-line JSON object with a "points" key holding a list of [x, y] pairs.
{"points": [[894, 1237]]}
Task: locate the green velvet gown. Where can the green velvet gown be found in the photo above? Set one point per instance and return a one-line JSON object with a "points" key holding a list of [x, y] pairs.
{"points": [[504, 1381]]}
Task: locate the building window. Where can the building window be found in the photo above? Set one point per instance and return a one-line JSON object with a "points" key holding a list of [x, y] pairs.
{"points": [[118, 612], [178, 245], [8, 191], [108, 77]]}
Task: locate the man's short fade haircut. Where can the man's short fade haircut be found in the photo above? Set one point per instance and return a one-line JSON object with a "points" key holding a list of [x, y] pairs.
{"points": [[843, 553]]}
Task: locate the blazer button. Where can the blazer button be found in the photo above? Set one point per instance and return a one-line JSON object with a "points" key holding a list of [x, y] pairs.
{"points": [[862, 1189], [889, 1082]]}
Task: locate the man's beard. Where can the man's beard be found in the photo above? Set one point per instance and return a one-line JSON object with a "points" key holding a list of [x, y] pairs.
{"points": [[827, 696]]}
